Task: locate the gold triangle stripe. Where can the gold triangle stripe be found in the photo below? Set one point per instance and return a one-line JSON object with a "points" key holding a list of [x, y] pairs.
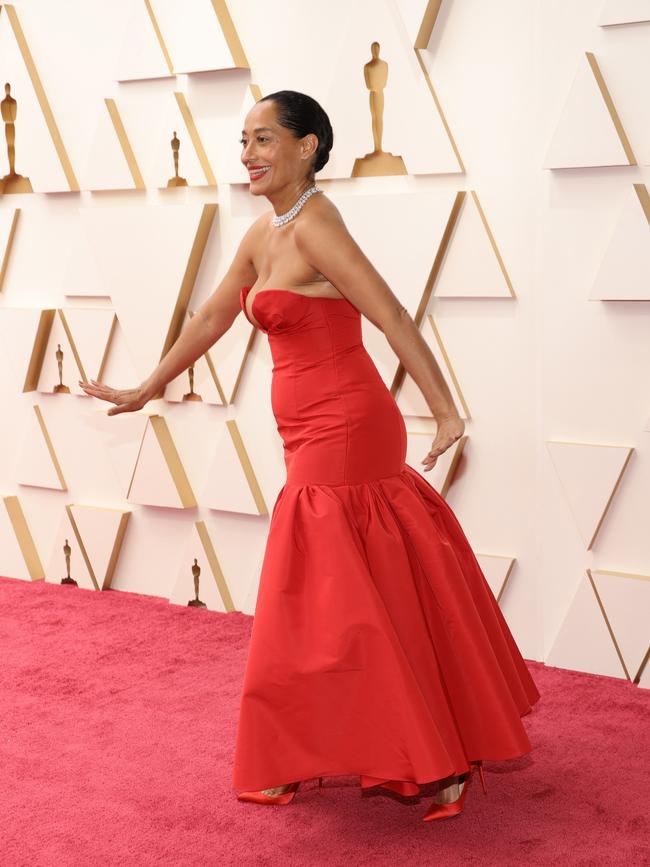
{"points": [[159, 36], [24, 538], [230, 34], [611, 108], [609, 627], [173, 461], [125, 144], [42, 98], [196, 138], [215, 567], [50, 446], [82, 548], [10, 240], [247, 466]]}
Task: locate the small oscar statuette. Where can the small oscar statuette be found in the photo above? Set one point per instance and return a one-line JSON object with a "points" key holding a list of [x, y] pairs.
{"points": [[191, 394], [196, 602], [378, 162], [176, 181], [60, 388], [67, 550], [12, 182]]}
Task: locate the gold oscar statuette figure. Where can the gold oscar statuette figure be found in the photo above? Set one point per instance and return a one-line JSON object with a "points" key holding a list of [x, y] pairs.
{"points": [[378, 162], [196, 602], [191, 394], [60, 388], [67, 550], [12, 182], [176, 181]]}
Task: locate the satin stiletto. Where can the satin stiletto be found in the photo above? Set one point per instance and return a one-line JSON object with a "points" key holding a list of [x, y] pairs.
{"points": [[283, 798], [453, 808]]}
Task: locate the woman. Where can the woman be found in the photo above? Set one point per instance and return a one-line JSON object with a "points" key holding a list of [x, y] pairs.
{"points": [[377, 646]]}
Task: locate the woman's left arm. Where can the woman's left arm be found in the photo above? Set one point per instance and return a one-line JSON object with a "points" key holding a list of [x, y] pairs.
{"points": [[325, 243]]}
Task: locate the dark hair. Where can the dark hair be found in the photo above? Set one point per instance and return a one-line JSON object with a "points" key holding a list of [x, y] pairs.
{"points": [[302, 114]]}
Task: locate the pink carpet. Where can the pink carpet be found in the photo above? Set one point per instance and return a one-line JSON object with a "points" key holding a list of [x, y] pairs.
{"points": [[117, 723]]}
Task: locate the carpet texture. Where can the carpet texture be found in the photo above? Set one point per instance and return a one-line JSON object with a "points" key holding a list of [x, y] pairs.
{"points": [[117, 725]]}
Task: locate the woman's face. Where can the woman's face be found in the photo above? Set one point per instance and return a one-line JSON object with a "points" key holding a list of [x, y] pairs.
{"points": [[271, 154]]}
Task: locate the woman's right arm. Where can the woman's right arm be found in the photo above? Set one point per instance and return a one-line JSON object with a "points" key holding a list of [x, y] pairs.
{"points": [[210, 322]]}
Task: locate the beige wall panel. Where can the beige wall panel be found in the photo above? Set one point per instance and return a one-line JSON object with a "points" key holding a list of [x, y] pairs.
{"points": [[624, 12], [193, 160], [194, 37], [410, 399], [497, 570], [56, 565], [159, 478], [219, 117], [416, 12], [472, 267], [111, 162], [19, 329], [101, 532], [586, 133], [206, 382], [81, 275], [122, 437], [626, 600], [583, 642], [143, 253], [231, 484], [412, 128], [18, 555], [39, 462], [213, 587], [142, 55], [71, 371], [91, 330], [589, 475], [624, 274], [371, 219], [36, 155]]}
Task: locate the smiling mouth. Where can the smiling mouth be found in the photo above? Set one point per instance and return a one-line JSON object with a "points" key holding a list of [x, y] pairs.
{"points": [[255, 174]]}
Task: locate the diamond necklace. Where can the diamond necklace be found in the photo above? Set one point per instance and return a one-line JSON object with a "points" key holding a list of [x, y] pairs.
{"points": [[281, 219]]}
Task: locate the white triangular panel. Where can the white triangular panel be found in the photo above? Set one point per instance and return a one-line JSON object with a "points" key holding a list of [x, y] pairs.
{"points": [[123, 435], [470, 268], [142, 253], [373, 218], [624, 274], [141, 56], [412, 13], [106, 167], [36, 466], [99, 528], [12, 561], [189, 167], [412, 127], [153, 483], [36, 156], [56, 564], [583, 642], [90, 328], [626, 600], [410, 399], [183, 589], [624, 12], [226, 486], [193, 35], [495, 569], [588, 474], [585, 134], [82, 276], [18, 329], [204, 383], [217, 135], [71, 373]]}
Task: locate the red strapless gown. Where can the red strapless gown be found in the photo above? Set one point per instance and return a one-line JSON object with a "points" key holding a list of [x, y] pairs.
{"points": [[377, 646]]}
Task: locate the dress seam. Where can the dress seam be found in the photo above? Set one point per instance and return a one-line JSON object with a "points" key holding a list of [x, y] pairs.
{"points": [[340, 396]]}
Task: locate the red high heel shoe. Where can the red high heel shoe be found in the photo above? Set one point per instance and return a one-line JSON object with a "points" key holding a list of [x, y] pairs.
{"points": [[445, 811], [282, 798]]}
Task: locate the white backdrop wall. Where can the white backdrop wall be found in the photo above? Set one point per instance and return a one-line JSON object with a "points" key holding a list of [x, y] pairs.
{"points": [[551, 373]]}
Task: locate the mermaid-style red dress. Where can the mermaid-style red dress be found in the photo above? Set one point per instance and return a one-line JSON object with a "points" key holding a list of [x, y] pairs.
{"points": [[377, 646]]}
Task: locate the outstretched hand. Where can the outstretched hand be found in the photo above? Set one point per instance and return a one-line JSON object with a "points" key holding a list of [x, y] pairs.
{"points": [[449, 430], [126, 399]]}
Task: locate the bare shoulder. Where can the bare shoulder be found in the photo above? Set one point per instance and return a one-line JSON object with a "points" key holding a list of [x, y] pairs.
{"points": [[323, 221]]}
